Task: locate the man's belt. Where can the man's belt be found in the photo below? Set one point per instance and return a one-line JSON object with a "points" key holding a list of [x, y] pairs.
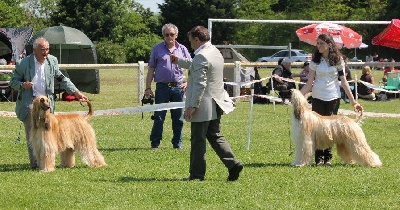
{"points": [[171, 84]]}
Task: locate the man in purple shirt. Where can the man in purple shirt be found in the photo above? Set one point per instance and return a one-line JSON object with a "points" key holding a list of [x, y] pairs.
{"points": [[169, 84]]}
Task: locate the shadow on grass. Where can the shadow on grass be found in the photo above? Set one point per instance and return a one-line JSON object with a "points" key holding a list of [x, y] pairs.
{"points": [[15, 167], [262, 165], [143, 179], [335, 165], [127, 179], [123, 149]]}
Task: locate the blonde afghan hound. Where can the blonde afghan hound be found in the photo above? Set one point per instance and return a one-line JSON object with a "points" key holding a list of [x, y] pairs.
{"points": [[312, 131], [64, 134]]}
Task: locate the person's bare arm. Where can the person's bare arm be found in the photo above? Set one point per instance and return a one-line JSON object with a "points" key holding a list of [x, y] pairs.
{"points": [[150, 76], [347, 90], [308, 86]]}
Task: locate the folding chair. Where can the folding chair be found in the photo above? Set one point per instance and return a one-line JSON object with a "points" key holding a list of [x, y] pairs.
{"points": [[393, 82]]}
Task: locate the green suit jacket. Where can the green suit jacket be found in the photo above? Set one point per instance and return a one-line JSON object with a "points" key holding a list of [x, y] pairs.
{"points": [[25, 71]]}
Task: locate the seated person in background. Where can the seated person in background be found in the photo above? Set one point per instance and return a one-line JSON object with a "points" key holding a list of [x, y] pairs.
{"points": [[364, 91], [389, 69], [280, 61], [349, 79], [369, 58], [283, 70], [306, 69], [375, 58]]}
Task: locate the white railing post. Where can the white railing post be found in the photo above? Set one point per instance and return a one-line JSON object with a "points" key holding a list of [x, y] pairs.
{"points": [[355, 88], [272, 89], [140, 81], [210, 28], [236, 78], [250, 120]]}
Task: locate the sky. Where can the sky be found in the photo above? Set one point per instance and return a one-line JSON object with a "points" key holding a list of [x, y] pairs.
{"points": [[152, 4]]}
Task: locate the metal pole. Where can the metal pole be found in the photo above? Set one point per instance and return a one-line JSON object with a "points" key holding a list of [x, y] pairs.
{"points": [[355, 88], [140, 81], [272, 89], [210, 28], [250, 120], [236, 78]]}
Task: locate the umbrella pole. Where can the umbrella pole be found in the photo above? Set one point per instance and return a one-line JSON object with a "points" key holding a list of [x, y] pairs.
{"points": [[60, 53]]}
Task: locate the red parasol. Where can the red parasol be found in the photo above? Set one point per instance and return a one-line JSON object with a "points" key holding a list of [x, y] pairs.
{"points": [[390, 36], [341, 34]]}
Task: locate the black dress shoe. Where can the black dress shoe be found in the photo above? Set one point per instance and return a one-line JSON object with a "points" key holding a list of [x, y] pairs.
{"points": [[234, 172], [178, 147]]}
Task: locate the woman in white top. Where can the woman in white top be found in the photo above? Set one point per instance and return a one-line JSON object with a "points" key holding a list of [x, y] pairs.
{"points": [[326, 67]]}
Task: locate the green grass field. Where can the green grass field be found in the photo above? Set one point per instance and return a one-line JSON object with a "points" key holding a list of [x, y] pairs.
{"points": [[140, 178]]}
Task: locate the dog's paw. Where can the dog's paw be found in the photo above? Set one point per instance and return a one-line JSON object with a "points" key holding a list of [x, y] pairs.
{"points": [[297, 165], [47, 170]]}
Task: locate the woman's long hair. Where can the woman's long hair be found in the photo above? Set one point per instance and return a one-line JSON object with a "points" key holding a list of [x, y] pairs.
{"points": [[334, 53]]}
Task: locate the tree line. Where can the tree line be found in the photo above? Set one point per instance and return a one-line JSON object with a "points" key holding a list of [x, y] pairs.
{"points": [[125, 32]]}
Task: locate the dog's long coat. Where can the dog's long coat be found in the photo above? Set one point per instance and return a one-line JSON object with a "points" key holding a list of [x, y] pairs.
{"points": [[312, 131], [64, 134]]}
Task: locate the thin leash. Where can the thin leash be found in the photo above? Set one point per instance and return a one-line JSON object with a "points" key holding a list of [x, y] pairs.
{"points": [[19, 134]]}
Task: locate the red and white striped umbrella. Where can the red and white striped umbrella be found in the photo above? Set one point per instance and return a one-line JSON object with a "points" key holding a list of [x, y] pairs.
{"points": [[343, 36]]}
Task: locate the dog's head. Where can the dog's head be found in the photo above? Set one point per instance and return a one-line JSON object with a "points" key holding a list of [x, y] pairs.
{"points": [[41, 103], [299, 103], [40, 110]]}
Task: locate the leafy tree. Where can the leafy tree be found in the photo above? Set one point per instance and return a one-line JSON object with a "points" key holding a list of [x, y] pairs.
{"points": [[96, 18], [392, 11], [125, 26], [107, 53], [138, 48], [114, 21], [148, 17], [362, 10], [12, 14], [282, 34], [187, 14], [256, 33], [39, 12], [41, 8]]}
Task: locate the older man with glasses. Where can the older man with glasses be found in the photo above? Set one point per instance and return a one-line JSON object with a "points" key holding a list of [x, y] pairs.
{"points": [[169, 84]]}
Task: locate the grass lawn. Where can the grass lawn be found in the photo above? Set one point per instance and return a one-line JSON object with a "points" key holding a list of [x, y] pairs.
{"points": [[140, 178]]}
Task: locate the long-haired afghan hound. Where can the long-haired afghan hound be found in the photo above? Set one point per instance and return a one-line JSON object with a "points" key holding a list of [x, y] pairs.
{"points": [[64, 134], [312, 131]]}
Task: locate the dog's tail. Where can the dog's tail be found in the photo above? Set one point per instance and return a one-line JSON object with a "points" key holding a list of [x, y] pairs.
{"points": [[90, 112]]}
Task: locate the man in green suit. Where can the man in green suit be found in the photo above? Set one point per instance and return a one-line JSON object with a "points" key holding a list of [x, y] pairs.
{"points": [[33, 76]]}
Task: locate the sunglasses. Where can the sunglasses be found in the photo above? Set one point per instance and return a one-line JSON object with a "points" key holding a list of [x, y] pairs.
{"points": [[169, 34]]}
